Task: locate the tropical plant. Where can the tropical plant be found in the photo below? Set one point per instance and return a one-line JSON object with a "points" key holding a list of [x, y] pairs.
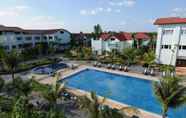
{"points": [[11, 61], [170, 93], [167, 69], [130, 55], [2, 82], [97, 31], [97, 109], [20, 108], [55, 91], [149, 58]]}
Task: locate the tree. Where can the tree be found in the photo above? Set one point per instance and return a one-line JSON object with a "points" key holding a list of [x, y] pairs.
{"points": [[55, 91], [149, 58], [20, 108], [130, 55], [97, 32], [96, 109], [11, 61], [170, 93]]}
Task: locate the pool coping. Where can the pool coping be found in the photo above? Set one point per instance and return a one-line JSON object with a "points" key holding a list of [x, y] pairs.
{"points": [[113, 103]]}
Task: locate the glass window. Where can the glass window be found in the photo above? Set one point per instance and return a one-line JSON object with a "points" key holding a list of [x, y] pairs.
{"points": [[180, 47], [28, 38], [184, 47], [61, 32], [1, 33], [168, 31], [183, 32], [166, 46], [14, 46], [37, 38], [19, 38], [50, 37]]}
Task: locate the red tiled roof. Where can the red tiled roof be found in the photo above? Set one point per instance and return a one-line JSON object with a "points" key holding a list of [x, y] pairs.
{"points": [[105, 36], [140, 36], [123, 36], [170, 20]]}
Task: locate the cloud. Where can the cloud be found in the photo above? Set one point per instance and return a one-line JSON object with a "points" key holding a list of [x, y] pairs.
{"points": [[13, 11], [120, 3], [178, 12], [43, 22], [96, 11]]}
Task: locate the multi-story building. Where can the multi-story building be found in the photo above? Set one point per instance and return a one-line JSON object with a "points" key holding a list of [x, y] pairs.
{"points": [[171, 42], [82, 39], [18, 38], [108, 42]]}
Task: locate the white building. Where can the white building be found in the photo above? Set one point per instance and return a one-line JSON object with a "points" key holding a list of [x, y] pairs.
{"points": [[18, 38], [171, 42], [108, 42]]}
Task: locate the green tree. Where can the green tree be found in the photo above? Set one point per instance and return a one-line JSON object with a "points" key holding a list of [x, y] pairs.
{"points": [[170, 93], [149, 58], [96, 108], [54, 93], [20, 108], [130, 55], [11, 61], [97, 32]]}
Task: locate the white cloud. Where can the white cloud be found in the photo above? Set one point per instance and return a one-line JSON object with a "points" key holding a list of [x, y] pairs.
{"points": [[178, 12], [43, 22], [83, 12], [119, 3], [108, 10], [13, 11]]}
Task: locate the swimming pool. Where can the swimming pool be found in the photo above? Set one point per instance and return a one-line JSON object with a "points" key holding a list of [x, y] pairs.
{"points": [[128, 90], [49, 69]]}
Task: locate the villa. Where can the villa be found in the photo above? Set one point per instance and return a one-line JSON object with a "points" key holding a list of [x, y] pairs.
{"points": [[18, 38], [142, 39], [108, 42], [171, 41]]}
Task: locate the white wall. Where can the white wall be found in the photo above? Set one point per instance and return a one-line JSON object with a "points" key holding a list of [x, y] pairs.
{"points": [[169, 56]]}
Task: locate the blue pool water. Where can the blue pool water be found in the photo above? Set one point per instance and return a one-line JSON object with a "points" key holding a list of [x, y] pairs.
{"points": [[125, 89]]}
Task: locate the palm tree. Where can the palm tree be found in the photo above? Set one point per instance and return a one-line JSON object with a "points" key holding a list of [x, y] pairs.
{"points": [[97, 31], [97, 109], [170, 93], [11, 61], [55, 91], [130, 55]]}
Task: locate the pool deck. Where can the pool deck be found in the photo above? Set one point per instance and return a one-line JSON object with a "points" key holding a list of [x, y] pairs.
{"points": [[114, 104]]}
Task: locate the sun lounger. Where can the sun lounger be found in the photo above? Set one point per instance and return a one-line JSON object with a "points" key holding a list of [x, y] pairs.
{"points": [[121, 67], [109, 66], [152, 72], [126, 68], [113, 66], [145, 72]]}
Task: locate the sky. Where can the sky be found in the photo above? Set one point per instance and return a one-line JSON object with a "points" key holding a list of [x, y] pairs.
{"points": [[82, 15]]}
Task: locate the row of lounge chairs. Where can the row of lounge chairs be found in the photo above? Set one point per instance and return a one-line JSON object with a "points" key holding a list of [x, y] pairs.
{"points": [[149, 71], [112, 66]]}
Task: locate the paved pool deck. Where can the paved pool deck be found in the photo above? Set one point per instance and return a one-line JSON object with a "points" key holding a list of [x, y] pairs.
{"points": [[114, 104]]}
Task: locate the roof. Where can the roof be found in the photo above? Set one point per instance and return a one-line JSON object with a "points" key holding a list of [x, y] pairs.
{"points": [[140, 36], [170, 20], [4, 28], [30, 31], [123, 36], [105, 36]]}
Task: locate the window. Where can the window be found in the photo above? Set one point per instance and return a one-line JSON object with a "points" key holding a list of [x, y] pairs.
{"points": [[61, 32], [28, 38], [19, 38], [180, 47], [183, 31], [17, 33], [184, 47], [14, 46], [50, 37], [166, 46], [167, 32], [45, 37], [112, 39], [20, 46], [1, 33], [6, 47], [37, 38]]}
